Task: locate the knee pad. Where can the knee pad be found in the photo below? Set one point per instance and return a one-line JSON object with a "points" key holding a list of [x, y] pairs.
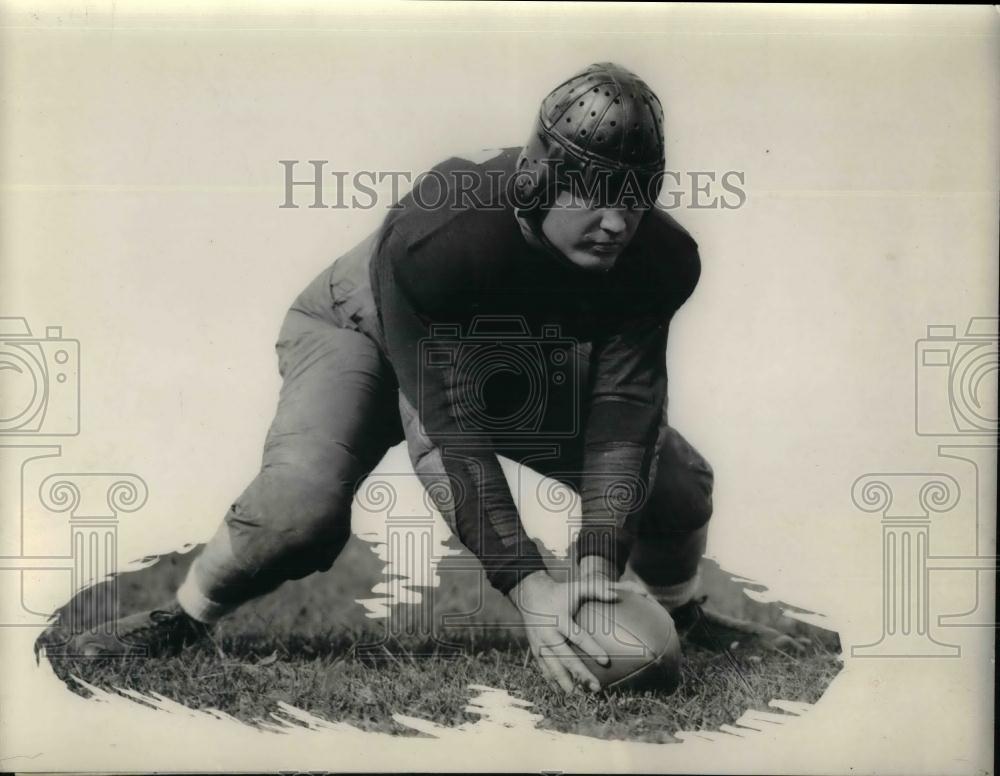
{"points": [[681, 498]]}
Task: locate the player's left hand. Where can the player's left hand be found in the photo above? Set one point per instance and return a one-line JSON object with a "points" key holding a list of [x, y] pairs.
{"points": [[548, 608], [596, 567]]}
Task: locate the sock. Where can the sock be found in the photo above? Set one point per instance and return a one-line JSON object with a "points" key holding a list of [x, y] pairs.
{"points": [[196, 604], [215, 574], [670, 597]]}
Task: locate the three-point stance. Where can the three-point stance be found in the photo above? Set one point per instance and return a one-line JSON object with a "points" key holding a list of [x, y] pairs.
{"points": [[557, 244]]}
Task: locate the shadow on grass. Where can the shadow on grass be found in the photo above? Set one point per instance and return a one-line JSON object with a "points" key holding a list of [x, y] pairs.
{"points": [[311, 645]]}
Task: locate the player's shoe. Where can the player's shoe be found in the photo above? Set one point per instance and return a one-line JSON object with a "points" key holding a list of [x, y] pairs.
{"points": [[155, 633], [711, 629], [703, 626]]}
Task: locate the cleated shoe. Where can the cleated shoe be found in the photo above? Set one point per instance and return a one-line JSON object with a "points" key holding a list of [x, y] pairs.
{"points": [[156, 633], [718, 630]]}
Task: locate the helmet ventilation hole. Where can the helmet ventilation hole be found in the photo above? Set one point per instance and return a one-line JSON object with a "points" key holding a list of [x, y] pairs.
{"points": [[628, 136]]}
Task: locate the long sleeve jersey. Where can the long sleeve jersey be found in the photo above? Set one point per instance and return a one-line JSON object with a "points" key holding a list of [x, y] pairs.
{"points": [[465, 262]]}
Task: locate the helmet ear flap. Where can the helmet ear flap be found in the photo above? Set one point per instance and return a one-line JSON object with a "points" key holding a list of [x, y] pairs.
{"points": [[536, 176]]}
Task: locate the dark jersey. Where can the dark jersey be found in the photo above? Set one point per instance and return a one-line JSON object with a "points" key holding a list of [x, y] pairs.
{"points": [[454, 278]]}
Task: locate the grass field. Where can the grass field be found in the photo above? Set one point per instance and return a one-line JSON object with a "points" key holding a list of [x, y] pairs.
{"points": [[310, 645]]}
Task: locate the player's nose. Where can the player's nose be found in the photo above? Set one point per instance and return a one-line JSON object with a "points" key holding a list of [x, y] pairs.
{"points": [[613, 221]]}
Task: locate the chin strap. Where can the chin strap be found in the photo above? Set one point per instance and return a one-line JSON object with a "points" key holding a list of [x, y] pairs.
{"points": [[530, 223]]}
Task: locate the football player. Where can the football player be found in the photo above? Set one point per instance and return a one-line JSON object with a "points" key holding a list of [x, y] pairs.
{"points": [[551, 255]]}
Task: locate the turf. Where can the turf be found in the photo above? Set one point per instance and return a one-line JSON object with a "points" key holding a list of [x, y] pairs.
{"points": [[311, 646]]}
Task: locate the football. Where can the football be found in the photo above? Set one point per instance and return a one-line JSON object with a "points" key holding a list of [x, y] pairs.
{"points": [[639, 637]]}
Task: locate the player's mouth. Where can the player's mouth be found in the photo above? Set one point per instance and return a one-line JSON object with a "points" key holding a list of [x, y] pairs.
{"points": [[606, 248]]}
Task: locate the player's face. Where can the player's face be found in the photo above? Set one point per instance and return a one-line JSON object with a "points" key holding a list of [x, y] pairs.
{"points": [[589, 235]]}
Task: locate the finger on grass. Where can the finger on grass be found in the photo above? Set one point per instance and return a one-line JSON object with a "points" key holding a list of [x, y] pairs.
{"points": [[557, 670], [544, 669], [572, 663], [586, 642]]}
